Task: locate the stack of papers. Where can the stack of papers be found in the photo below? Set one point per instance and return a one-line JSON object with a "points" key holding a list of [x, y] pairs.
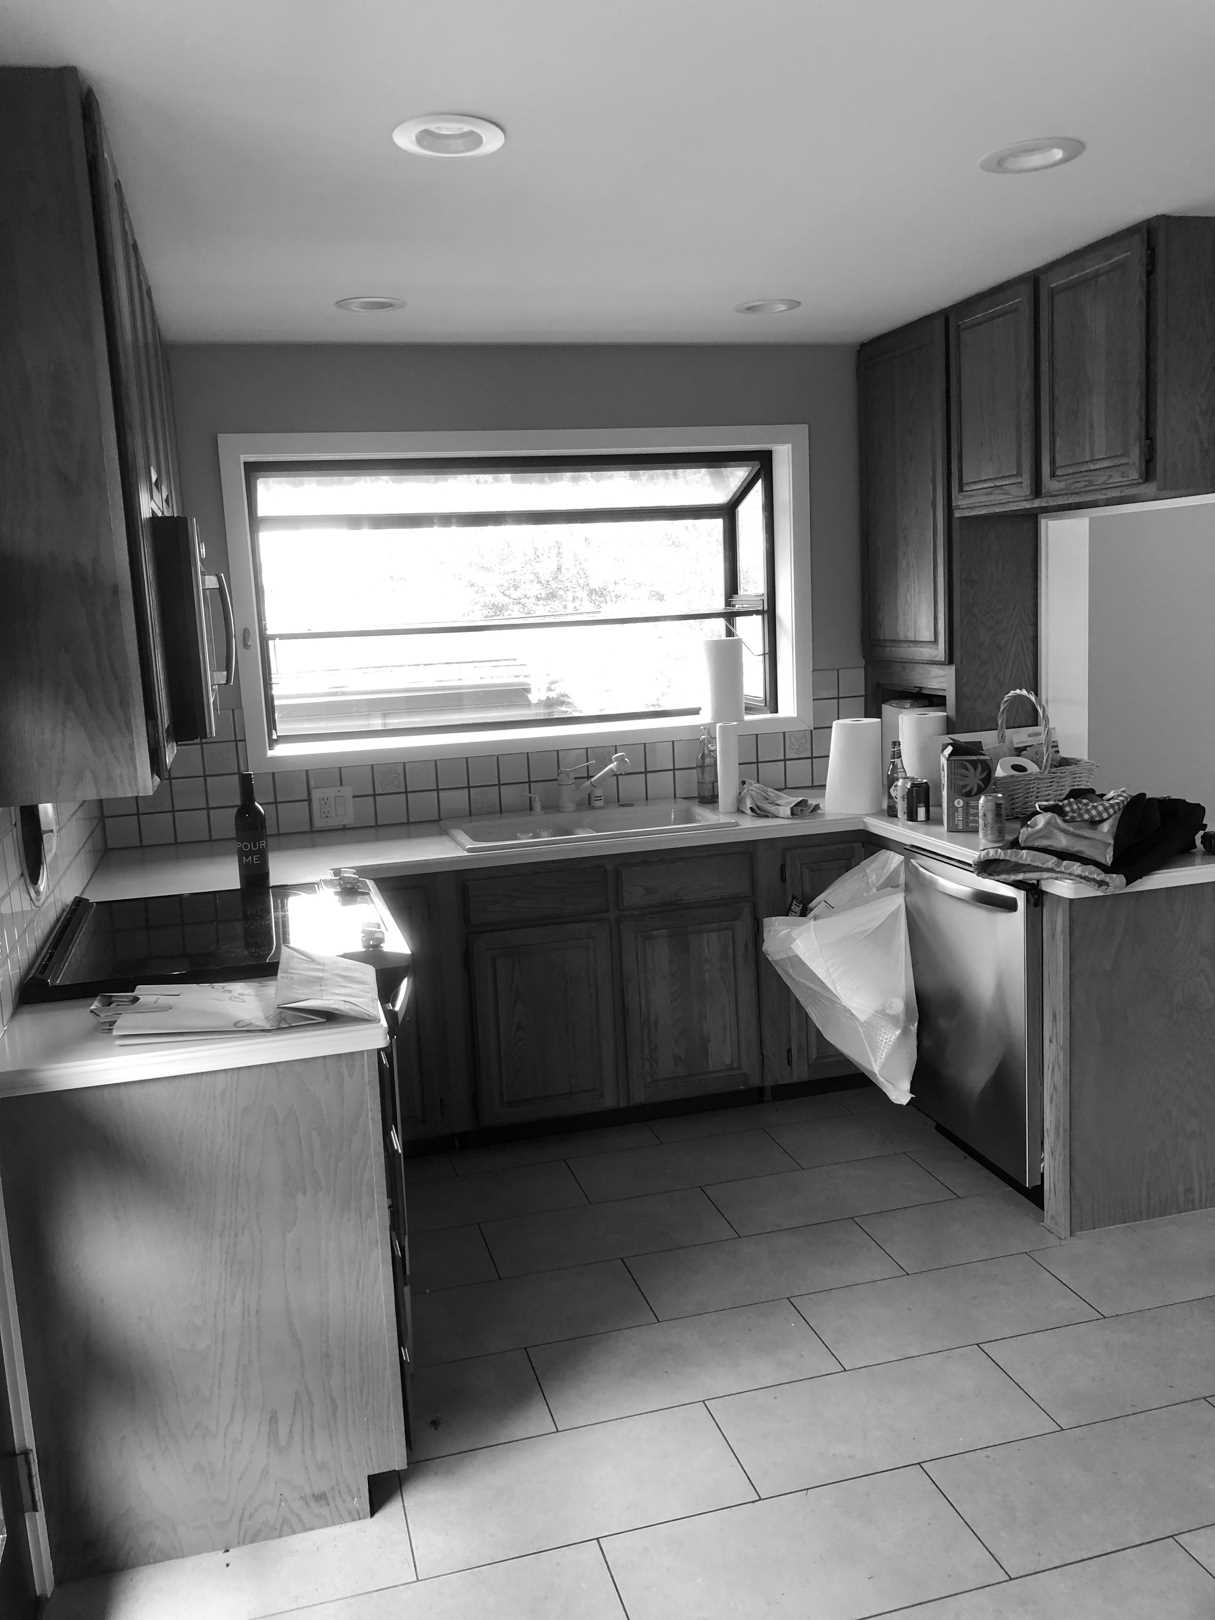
{"points": [[309, 989]]}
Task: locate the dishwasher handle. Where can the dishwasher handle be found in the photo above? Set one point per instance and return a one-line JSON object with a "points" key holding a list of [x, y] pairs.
{"points": [[968, 894]]}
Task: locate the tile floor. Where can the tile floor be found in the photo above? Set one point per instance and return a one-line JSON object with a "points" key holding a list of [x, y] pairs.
{"points": [[800, 1359]]}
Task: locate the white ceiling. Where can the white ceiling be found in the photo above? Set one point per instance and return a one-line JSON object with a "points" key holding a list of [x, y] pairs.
{"points": [[666, 159]]}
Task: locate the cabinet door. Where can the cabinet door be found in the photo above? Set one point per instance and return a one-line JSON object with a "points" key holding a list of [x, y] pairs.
{"points": [[1093, 366], [795, 1052], [690, 1004], [901, 382], [545, 1021], [992, 403]]}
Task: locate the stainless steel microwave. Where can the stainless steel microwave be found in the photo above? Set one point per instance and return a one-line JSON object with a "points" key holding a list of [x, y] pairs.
{"points": [[188, 594]]}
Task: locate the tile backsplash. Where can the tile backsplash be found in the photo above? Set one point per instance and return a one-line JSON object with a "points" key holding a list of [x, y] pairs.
{"points": [[197, 802], [24, 926]]}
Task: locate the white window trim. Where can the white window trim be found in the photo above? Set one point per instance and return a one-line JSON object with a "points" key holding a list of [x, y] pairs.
{"points": [[789, 444]]}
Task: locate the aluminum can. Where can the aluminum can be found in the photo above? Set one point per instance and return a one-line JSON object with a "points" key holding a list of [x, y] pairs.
{"points": [[991, 820], [917, 799]]}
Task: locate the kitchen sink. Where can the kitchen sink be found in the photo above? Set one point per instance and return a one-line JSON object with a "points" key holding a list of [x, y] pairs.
{"points": [[484, 834]]}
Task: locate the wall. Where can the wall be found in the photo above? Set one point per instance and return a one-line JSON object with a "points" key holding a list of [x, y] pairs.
{"points": [[336, 388], [25, 927]]}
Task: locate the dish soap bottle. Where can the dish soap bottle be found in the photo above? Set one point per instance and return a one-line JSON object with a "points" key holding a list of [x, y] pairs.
{"points": [[252, 846], [897, 778], [706, 770]]}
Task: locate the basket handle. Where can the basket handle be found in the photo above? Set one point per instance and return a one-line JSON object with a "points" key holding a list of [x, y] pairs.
{"points": [[1041, 757]]}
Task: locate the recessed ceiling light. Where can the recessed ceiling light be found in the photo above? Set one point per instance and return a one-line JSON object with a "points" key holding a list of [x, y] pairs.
{"points": [[1027, 157], [449, 135], [372, 304], [768, 306]]}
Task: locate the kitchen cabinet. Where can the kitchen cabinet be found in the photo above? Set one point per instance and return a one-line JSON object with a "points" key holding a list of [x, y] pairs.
{"points": [[904, 493], [794, 1050], [204, 1287], [1093, 355], [86, 460], [545, 1024], [993, 408]]}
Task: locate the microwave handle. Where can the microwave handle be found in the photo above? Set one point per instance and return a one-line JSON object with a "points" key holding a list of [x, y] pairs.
{"points": [[219, 582]]}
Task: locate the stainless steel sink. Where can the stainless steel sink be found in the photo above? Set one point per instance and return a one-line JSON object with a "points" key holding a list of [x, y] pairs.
{"points": [[483, 834]]}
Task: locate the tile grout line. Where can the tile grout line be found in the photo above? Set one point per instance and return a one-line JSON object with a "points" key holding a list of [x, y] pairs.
{"points": [[1049, 1416], [612, 1577], [954, 1508], [712, 1416]]}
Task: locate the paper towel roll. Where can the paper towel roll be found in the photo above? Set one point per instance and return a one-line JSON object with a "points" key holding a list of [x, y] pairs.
{"points": [[854, 768], [1014, 765], [723, 679], [727, 766], [920, 733]]}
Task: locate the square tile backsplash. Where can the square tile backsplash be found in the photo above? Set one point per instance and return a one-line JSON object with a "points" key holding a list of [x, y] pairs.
{"points": [[197, 802], [24, 926]]}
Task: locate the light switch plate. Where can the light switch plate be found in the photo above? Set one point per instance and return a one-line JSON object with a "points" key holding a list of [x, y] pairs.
{"points": [[332, 807]]}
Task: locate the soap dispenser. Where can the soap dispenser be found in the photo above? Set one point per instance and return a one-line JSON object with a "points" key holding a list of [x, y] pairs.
{"points": [[706, 769]]}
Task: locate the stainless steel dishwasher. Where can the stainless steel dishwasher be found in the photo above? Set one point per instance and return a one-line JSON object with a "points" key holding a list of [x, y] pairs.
{"points": [[976, 957]]}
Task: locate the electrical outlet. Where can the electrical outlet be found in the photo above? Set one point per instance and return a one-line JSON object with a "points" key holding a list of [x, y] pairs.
{"points": [[332, 807]]}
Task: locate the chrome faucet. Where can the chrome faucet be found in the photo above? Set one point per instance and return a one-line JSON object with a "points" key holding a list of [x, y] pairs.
{"points": [[567, 782]]}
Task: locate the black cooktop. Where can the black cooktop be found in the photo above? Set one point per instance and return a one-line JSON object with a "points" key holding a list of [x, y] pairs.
{"points": [[113, 945]]}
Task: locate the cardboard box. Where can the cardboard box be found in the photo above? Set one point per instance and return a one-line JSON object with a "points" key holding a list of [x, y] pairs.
{"points": [[965, 779]]}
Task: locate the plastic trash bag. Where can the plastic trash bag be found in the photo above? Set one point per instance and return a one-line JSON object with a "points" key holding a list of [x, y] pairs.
{"points": [[849, 965]]}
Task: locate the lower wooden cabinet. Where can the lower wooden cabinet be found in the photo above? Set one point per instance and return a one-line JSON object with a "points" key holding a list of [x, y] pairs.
{"points": [[544, 1013], [690, 1002]]}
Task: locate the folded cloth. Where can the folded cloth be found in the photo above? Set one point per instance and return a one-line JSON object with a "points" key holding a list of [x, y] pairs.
{"points": [[1086, 804], [1032, 865]]}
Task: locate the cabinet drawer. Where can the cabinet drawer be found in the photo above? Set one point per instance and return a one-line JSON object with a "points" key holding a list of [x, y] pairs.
{"points": [[535, 893], [694, 878]]}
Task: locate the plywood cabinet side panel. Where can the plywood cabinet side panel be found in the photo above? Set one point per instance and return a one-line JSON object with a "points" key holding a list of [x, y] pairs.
{"points": [[995, 613], [70, 727], [203, 1263], [1141, 1033], [1183, 340], [1056, 1074]]}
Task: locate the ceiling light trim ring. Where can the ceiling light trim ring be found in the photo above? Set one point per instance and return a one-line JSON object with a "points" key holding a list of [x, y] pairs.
{"points": [[369, 304], [1032, 157], [449, 135], [767, 306]]}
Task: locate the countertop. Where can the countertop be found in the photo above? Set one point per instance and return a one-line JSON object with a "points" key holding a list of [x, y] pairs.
{"points": [[58, 1045]]}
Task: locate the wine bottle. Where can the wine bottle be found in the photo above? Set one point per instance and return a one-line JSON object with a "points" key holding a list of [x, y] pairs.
{"points": [[252, 847]]}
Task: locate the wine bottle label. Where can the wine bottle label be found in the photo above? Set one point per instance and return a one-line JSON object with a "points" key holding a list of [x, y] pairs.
{"points": [[252, 855]]}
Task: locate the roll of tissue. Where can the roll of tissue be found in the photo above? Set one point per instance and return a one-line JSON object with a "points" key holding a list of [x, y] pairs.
{"points": [[920, 733], [727, 766], [1014, 765], [723, 699], [854, 769]]}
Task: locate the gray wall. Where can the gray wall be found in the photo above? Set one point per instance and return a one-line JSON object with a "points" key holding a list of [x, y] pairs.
{"points": [[246, 388]]}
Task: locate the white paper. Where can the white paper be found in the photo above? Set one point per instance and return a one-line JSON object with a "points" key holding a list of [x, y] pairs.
{"points": [[311, 982], [236, 1007]]}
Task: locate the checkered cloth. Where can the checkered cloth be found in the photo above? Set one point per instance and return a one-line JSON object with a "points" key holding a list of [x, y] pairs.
{"points": [[1085, 804]]}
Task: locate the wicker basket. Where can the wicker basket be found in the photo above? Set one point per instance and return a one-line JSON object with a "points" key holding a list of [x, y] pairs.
{"points": [[1055, 776]]}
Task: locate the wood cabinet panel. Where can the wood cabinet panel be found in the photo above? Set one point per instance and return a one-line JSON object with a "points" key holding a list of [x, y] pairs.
{"points": [[993, 408], [206, 1277], [995, 613], [545, 1021], [904, 492], [684, 879], [1093, 366], [691, 1016], [530, 893]]}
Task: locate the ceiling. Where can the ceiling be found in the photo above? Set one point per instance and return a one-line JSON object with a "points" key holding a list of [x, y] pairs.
{"points": [[665, 161]]}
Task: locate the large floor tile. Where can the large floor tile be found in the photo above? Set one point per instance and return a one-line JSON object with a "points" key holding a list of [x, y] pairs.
{"points": [[832, 1554], [752, 1117], [449, 1258], [247, 1583], [939, 1310], [850, 1423], [963, 1229], [770, 1265], [1118, 1364], [1156, 1582], [571, 1583], [464, 1200], [801, 1197], [960, 1173], [671, 1363], [672, 1165], [479, 1402], [1081, 1492], [535, 1494], [604, 1231], [1126, 1268], [556, 1145], [518, 1311], [856, 1136]]}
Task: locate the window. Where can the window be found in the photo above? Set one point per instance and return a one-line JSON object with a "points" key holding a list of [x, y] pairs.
{"points": [[411, 602]]}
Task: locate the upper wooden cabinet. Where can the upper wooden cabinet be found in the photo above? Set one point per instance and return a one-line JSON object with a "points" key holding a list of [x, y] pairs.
{"points": [[993, 416], [904, 494], [86, 460], [1093, 358]]}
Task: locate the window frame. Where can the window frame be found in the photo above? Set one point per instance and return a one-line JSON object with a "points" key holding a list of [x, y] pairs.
{"points": [[790, 654]]}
